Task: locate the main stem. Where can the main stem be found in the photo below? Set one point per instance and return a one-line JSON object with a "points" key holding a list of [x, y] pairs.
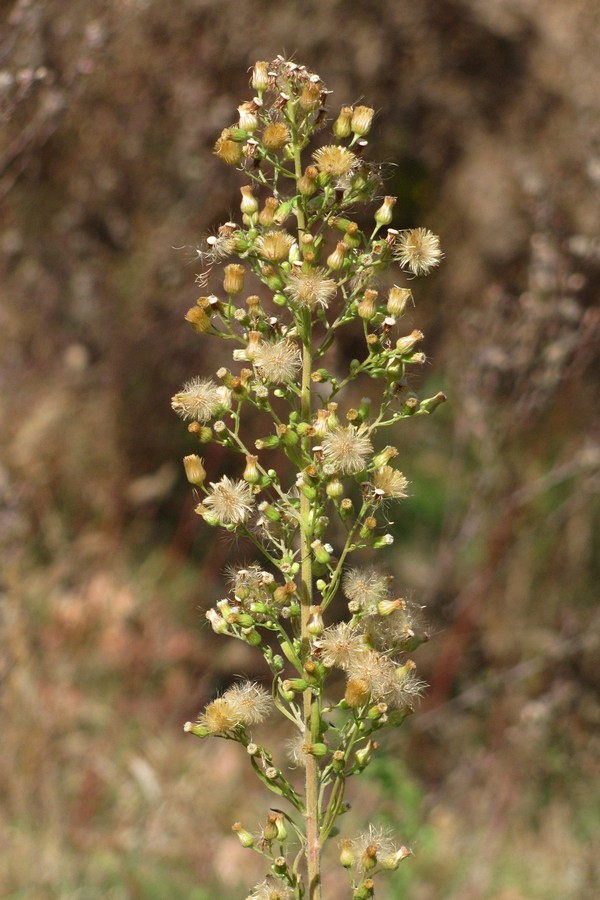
{"points": [[311, 714], [310, 706]]}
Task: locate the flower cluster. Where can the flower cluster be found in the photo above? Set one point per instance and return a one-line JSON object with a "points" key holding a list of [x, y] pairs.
{"points": [[242, 705], [299, 268]]}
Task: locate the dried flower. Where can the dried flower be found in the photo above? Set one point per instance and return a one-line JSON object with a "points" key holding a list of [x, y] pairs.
{"points": [[229, 151], [274, 246], [296, 749], [310, 98], [241, 705], [398, 686], [251, 702], [275, 136], [347, 448], [334, 160], [365, 587], [339, 643], [419, 250], [230, 501], [271, 889], [246, 837], [222, 244], [200, 399], [395, 625], [390, 482], [277, 362], [336, 259], [371, 845], [198, 319], [311, 288], [406, 345]]}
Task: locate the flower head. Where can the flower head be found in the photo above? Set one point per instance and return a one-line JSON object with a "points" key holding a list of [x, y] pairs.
{"points": [[296, 749], [200, 399], [390, 482], [275, 136], [260, 76], [311, 289], [365, 588], [339, 644], [347, 448], [379, 838], [220, 245], [241, 705], [277, 362], [418, 249], [271, 889], [398, 299], [194, 469], [334, 160], [362, 117], [230, 501], [385, 681], [274, 245], [233, 282], [229, 151], [395, 625]]}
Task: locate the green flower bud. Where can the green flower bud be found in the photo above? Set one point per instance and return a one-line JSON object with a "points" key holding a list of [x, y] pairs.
{"points": [[347, 854], [346, 508], [384, 456], [341, 127], [315, 625], [392, 862], [246, 838], [364, 755], [334, 489], [321, 551], [386, 541], [318, 750], [267, 443], [251, 636], [296, 685], [432, 403], [383, 216], [249, 204], [198, 730], [406, 344], [365, 890]]}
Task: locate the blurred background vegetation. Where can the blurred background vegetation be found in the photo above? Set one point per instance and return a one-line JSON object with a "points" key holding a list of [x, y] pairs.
{"points": [[490, 122]]}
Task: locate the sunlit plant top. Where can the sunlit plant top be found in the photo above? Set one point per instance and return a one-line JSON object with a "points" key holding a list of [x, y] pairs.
{"points": [[315, 272]]}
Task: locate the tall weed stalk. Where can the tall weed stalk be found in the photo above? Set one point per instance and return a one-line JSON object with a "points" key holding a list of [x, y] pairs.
{"points": [[316, 272]]}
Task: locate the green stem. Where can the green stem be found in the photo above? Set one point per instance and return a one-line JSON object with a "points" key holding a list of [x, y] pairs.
{"points": [[310, 706]]}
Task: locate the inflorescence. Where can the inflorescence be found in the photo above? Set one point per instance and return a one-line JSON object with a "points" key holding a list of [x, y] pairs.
{"points": [[312, 269]]}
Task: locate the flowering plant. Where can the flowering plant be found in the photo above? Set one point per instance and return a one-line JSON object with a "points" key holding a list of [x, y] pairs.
{"points": [[321, 275]]}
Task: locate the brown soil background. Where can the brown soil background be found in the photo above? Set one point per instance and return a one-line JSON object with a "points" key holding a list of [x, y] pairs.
{"points": [[489, 119]]}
